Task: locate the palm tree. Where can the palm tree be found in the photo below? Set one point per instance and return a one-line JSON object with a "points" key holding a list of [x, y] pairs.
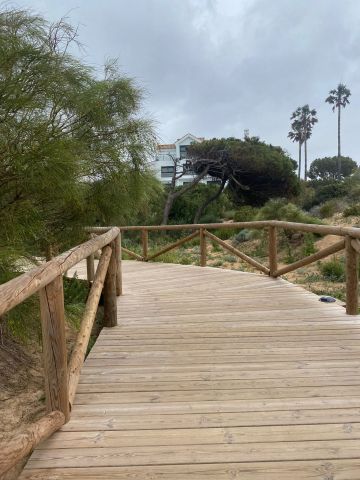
{"points": [[339, 97], [295, 135], [304, 120]]}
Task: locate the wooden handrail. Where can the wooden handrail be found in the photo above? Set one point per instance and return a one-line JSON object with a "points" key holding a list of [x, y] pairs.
{"points": [[304, 227], [82, 340], [352, 249], [60, 382], [20, 288]]}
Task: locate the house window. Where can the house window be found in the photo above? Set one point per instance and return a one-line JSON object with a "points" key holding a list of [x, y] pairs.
{"points": [[188, 168], [183, 151], [167, 171]]}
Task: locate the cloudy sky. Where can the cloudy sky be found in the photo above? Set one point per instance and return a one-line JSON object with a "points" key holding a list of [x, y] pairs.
{"points": [[217, 67]]}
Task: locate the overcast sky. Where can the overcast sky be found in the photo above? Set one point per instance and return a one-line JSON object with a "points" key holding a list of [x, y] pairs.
{"points": [[217, 67]]}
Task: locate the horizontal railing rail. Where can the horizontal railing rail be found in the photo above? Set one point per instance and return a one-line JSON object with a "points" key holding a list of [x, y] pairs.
{"points": [[61, 379], [350, 242]]}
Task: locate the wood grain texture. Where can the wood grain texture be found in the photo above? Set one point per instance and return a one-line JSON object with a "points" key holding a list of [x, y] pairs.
{"points": [[109, 291], [213, 374], [54, 347]]}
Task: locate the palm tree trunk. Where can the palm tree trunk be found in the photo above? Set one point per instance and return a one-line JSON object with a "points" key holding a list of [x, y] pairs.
{"points": [[305, 146], [339, 145], [299, 173]]}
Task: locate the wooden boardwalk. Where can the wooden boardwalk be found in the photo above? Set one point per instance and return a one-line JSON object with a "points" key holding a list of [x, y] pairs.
{"points": [[213, 374]]}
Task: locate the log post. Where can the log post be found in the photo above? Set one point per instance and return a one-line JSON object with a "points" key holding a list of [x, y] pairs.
{"points": [[118, 254], [110, 305], [145, 244], [352, 278], [202, 248], [90, 268], [54, 347], [272, 251]]}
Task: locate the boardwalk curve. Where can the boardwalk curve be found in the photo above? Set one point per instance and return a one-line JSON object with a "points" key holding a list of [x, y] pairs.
{"points": [[213, 374]]}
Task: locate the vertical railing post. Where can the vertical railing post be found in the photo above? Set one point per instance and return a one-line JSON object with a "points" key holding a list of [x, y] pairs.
{"points": [[352, 278], [202, 248], [272, 251], [145, 243], [90, 267], [54, 347], [109, 291], [118, 255]]}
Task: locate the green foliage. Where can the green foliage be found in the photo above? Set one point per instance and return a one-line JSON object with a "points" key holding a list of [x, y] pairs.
{"points": [[327, 191], [333, 270], [230, 258], [246, 213], [352, 210], [242, 236], [327, 168], [329, 208], [74, 146], [254, 170], [185, 206], [308, 247], [280, 209]]}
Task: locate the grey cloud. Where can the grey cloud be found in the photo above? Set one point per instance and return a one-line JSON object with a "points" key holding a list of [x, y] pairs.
{"points": [[216, 67]]}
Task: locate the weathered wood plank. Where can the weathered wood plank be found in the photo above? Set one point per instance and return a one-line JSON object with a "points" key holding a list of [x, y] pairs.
{"points": [[213, 374]]}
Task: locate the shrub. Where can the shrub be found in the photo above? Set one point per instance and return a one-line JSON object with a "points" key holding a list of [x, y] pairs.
{"points": [[333, 270], [353, 210], [243, 236], [280, 209], [210, 218], [245, 214], [308, 247], [230, 258], [223, 233]]}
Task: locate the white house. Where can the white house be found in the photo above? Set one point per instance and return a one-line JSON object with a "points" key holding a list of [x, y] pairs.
{"points": [[167, 153]]}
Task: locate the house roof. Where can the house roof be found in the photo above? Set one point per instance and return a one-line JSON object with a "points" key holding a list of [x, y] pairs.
{"points": [[166, 146]]}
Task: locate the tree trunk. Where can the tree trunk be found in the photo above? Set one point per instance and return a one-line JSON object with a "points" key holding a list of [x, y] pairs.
{"points": [[339, 145], [209, 200], [167, 208], [299, 173], [305, 147]]}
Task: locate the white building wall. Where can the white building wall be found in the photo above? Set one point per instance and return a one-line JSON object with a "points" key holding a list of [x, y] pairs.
{"points": [[164, 159]]}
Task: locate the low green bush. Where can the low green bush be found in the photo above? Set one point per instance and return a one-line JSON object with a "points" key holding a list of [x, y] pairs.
{"points": [[242, 236], [281, 209], [245, 214], [352, 211], [328, 209], [333, 270], [230, 258], [308, 245]]}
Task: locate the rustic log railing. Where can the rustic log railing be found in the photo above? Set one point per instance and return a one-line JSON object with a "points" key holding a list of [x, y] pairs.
{"points": [[351, 244], [61, 379]]}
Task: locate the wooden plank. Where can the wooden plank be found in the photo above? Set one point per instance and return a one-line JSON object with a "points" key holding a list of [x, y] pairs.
{"points": [[202, 436], [347, 469], [184, 454], [260, 381], [126, 422]]}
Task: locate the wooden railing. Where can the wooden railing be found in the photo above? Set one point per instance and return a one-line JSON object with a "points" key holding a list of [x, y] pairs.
{"points": [[350, 241], [61, 378]]}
